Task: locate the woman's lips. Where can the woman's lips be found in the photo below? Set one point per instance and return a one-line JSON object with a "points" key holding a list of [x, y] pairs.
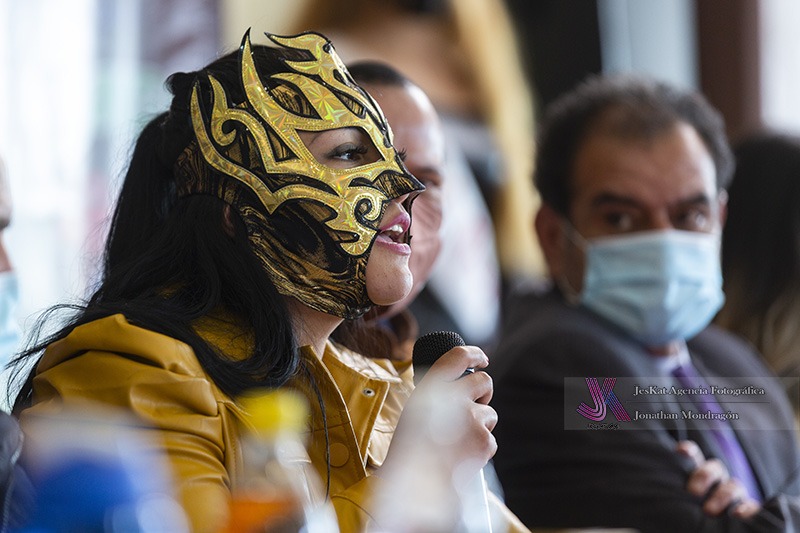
{"points": [[397, 247], [392, 234]]}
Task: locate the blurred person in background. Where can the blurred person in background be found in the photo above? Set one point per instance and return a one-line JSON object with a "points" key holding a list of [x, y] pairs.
{"points": [[10, 434], [9, 288], [262, 209], [632, 174], [463, 55], [419, 137], [9, 293], [761, 252]]}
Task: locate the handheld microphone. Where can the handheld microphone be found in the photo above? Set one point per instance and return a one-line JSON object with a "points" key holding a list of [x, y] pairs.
{"points": [[427, 350], [430, 347]]}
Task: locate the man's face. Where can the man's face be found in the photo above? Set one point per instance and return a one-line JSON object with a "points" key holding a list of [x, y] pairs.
{"points": [[418, 133], [623, 185]]}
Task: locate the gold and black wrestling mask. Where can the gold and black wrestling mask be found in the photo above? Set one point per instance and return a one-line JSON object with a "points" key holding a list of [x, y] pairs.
{"points": [[311, 226]]}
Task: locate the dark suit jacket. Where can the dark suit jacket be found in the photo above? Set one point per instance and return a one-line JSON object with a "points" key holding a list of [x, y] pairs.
{"points": [[555, 477]]}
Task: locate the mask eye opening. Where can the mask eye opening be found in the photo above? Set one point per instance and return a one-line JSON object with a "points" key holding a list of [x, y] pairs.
{"points": [[341, 148]]}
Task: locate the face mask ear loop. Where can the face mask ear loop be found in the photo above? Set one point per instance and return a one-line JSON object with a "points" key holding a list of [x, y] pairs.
{"points": [[571, 234]]}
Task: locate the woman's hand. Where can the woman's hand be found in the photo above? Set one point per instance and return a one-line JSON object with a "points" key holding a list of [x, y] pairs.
{"points": [[449, 412]]}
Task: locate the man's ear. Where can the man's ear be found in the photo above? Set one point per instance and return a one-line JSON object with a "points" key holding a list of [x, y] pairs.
{"points": [[550, 230]]}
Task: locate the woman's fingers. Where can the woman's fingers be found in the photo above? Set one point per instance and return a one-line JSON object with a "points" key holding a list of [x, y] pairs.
{"points": [[478, 387], [466, 395], [453, 364]]}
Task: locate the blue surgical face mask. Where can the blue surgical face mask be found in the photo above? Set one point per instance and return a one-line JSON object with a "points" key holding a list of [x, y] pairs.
{"points": [[659, 286]]}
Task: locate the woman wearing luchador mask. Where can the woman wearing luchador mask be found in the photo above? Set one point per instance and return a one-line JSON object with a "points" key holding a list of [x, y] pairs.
{"points": [[262, 209]]}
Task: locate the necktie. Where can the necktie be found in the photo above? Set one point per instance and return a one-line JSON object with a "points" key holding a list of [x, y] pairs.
{"points": [[721, 430]]}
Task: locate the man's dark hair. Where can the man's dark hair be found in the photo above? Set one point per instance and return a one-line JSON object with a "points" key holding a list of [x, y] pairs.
{"points": [[376, 73], [642, 108]]}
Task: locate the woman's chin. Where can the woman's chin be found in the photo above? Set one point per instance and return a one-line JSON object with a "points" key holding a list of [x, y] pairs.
{"points": [[386, 300], [386, 294]]}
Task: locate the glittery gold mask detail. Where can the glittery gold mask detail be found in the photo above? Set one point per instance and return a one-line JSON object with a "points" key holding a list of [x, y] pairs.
{"points": [[280, 189]]}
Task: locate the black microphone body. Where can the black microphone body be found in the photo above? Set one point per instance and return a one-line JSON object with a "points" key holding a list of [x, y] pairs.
{"points": [[430, 347]]}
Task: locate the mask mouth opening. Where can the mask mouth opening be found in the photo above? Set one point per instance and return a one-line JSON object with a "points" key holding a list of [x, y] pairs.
{"points": [[396, 229]]}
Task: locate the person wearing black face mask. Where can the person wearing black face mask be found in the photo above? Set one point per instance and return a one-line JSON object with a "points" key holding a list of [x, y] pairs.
{"points": [[611, 386]]}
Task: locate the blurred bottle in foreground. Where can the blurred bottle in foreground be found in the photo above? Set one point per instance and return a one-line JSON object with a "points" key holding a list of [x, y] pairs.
{"points": [[94, 471], [279, 490]]}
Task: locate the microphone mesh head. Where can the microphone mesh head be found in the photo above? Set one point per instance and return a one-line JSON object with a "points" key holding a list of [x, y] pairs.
{"points": [[431, 346]]}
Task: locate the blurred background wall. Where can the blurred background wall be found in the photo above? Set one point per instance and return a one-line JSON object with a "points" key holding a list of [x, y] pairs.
{"points": [[79, 78]]}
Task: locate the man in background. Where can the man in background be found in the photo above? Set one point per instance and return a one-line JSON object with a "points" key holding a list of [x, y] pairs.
{"points": [[632, 175], [419, 137]]}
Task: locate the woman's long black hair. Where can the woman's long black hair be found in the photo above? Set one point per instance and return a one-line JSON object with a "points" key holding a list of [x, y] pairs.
{"points": [[169, 261]]}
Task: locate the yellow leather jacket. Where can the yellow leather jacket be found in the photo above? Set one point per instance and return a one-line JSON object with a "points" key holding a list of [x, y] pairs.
{"points": [[160, 381]]}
